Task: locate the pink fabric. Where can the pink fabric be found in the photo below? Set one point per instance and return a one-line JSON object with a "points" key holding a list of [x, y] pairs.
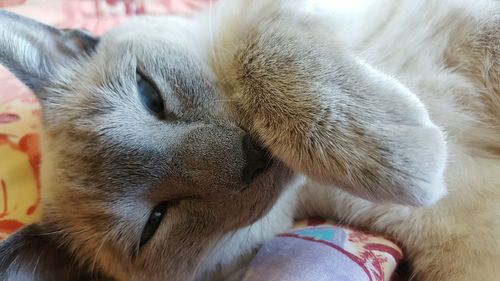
{"points": [[98, 15], [7, 3], [317, 250]]}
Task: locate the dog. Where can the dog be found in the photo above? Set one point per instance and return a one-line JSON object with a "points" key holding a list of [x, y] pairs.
{"points": [[174, 147]]}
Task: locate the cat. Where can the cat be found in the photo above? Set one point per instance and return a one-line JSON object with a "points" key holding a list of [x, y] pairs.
{"points": [[173, 147]]}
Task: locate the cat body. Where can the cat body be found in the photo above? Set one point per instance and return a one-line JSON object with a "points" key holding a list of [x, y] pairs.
{"points": [[383, 115], [447, 54]]}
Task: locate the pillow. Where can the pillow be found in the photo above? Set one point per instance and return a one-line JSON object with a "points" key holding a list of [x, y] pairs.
{"points": [[317, 250]]}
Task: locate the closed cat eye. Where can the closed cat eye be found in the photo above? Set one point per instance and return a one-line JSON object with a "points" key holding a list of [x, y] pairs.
{"points": [[150, 96]]}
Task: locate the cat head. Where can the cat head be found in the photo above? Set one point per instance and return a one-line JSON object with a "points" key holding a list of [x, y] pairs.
{"points": [[143, 171]]}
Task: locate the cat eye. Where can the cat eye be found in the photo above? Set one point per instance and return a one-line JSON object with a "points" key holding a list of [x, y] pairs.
{"points": [[153, 223], [154, 220], [150, 96]]}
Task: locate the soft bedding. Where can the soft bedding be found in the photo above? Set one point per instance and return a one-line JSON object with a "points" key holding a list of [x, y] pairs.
{"points": [[314, 250]]}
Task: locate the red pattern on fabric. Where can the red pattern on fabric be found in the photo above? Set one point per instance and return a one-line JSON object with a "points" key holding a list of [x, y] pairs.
{"points": [[374, 264], [9, 118], [29, 145], [384, 248], [5, 211], [354, 258], [9, 226]]}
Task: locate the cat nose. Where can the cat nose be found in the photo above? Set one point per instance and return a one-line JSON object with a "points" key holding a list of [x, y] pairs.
{"points": [[257, 159]]}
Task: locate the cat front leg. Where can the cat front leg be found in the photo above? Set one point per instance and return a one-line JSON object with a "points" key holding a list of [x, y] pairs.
{"points": [[332, 117]]}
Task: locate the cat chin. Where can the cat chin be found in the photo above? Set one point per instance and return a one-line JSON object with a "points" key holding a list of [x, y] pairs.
{"points": [[232, 253]]}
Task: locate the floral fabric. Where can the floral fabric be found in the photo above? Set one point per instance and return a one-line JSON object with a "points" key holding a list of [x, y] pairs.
{"points": [[317, 250]]}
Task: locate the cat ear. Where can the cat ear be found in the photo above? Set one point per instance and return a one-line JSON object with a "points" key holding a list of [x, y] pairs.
{"points": [[34, 51], [37, 253]]}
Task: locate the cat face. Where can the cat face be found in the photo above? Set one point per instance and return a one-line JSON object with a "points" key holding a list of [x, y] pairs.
{"points": [[143, 170]]}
